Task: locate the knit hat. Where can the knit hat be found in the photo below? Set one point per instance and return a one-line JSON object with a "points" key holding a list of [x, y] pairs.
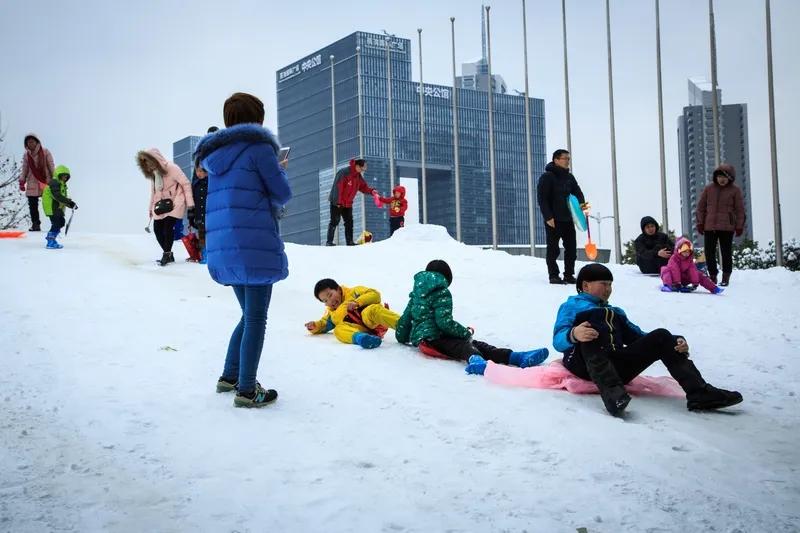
{"points": [[593, 272], [243, 108]]}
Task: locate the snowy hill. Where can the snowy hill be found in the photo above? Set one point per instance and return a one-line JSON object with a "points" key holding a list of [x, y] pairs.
{"points": [[110, 420]]}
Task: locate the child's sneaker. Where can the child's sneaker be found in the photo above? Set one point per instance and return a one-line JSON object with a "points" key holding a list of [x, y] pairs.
{"points": [[367, 341], [717, 290], [531, 358], [666, 288], [709, 398], [476, 365], [257, 398], [226, 385]]}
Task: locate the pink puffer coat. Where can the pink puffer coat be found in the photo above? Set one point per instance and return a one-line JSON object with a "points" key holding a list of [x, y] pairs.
{"points": [[176, 186]]}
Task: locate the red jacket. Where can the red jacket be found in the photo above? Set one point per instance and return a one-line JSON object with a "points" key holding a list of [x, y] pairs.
{"points": [[397, 206], [346, 185]]}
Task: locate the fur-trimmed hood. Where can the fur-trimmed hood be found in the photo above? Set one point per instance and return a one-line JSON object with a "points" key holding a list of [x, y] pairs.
{"points": [[246, 134], [153, 154]]}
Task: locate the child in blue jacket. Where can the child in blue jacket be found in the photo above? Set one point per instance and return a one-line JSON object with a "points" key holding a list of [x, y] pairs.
{"points": [[600, 343]]}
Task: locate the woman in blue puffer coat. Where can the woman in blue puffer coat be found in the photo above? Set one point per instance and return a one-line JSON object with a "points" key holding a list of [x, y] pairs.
{"points": [[247, 188]]}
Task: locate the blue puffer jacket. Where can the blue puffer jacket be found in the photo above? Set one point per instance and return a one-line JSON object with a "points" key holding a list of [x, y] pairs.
{"points": [[581, 302], [246, 189]]}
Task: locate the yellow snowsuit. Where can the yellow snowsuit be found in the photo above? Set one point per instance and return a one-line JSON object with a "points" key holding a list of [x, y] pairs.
{"points": [[373, 313]]}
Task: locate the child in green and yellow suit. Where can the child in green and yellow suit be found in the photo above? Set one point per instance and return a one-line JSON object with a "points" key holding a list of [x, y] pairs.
{"points": [[355, 314]]}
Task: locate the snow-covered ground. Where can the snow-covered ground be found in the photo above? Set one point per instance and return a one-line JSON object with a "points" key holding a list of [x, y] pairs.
{"points": [[109, 420]]}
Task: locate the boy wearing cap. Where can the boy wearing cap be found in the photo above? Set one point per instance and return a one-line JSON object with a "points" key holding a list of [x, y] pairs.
{"points": [[600, 343]]}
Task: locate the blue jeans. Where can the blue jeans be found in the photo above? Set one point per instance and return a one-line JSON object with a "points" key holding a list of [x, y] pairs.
{"points": [[244, 349]]}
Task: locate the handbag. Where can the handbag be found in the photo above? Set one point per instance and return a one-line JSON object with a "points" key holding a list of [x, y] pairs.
{"points": [[163, 206]]}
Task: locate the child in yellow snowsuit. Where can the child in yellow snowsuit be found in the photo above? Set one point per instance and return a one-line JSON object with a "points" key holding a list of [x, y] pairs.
{"points": [[355, 314]]}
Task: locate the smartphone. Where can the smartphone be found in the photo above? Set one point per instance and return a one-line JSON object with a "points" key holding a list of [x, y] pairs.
{"points": [[283, 155]]}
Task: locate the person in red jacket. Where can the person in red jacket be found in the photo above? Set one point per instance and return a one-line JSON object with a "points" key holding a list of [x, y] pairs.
{"points": [[397, 208], [347, 183]]}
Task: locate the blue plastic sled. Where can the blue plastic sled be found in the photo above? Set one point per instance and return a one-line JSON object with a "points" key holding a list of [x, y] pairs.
{"points": [[578, 215]]}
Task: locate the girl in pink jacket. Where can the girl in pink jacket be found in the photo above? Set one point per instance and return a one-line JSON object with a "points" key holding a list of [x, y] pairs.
{"points": [[170, 196], [681, 274], [37, 171]]}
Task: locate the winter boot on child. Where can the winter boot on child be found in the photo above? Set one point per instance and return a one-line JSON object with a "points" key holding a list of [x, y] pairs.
{"points": [[52, 243]]}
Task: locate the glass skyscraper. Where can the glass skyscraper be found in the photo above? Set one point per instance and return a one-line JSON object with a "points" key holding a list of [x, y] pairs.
{"points": [[182, 153], [304, 123]]}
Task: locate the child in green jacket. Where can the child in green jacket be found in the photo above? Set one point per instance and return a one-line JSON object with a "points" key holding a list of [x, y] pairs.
{"points": [[428, 320], [54, 198]]}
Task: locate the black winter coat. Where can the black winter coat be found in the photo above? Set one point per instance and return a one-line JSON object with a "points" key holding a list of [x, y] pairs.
{"points": [[199, 192], [554, 188], [647, 247]]}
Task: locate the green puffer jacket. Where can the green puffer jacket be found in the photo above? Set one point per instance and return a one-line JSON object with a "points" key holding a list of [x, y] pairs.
{"points": [[429, 313], [55, 194]]}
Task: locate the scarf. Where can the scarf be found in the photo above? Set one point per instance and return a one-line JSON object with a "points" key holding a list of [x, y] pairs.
{"points": [[159, 181], [36, 170]]}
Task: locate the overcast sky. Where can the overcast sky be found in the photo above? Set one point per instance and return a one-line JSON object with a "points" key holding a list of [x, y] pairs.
{"points": [[99, 80]]}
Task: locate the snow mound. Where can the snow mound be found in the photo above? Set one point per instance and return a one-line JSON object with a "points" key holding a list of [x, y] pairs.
{"points": [[115, 359]]}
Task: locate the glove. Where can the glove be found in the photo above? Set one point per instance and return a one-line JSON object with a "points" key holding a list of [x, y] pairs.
{"points": [[22, 185], [701, 229], [72, 205], [739, 232], [476, 365]]}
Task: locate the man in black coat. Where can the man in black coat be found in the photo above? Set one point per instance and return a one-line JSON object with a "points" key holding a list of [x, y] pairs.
{"points": [[554, 188], [653, 247]]}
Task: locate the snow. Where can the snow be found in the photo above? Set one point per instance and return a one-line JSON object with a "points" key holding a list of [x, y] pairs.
{"points": [[110, 421]]}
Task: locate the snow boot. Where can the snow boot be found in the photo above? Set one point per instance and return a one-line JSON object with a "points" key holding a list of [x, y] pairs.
{"points": [[35, 227], [709, 398], [726, 279], [259, 397], [569, 279], [476, 365], [52, 243], [605, 376], [529, 358], [166, 258], [366, 341], [556, 280]]}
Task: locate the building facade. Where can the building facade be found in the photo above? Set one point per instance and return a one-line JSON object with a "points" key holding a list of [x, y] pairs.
{"points": [[696, 153], [182, 151], [362, 109]]}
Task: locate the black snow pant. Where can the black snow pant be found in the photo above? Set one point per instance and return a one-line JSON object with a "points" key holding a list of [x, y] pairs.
{"points": [[725, 239], [609, 368], [57, 220], [564, 231], [461, 349], [337, 212], [33, 207], [165, 232], [395, 223]]}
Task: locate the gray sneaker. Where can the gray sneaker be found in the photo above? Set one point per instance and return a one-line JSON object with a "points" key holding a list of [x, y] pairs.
{"points": [[260, 397]]}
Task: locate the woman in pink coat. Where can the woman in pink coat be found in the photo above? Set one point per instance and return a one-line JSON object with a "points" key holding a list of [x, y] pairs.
{"points": [[37, 171], [169, 184], [681, 274]]}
